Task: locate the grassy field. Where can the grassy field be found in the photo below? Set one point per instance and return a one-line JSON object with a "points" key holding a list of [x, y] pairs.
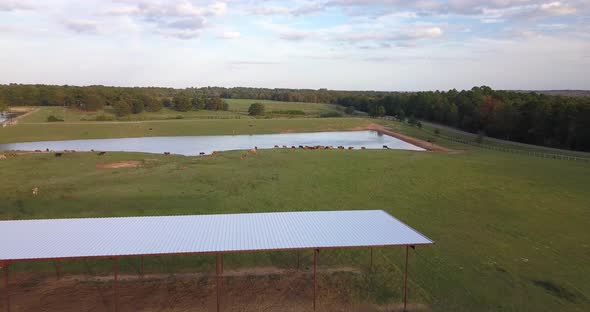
{"points": [[510, 230], [74, 115], [314, 109], [26, 132]]}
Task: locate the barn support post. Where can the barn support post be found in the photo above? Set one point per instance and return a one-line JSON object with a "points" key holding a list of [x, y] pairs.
{"points": [[316, 253], [218, 272], [371, 264], [115, 286], [406, 280], [141, 271], [6, 287], [57, 269]]}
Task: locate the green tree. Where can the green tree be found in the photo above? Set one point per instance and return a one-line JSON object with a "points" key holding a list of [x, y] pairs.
{"points": [[256, 109], [182, 102], [122, 108], [349, 110], [150, 103]]}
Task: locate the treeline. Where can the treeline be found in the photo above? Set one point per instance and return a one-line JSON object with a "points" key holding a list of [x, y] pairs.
{"points": [[555, 121], [534, 118], [123, 101]]}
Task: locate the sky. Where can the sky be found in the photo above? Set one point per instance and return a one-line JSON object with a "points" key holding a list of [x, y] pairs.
{"points": [[389, 45]]}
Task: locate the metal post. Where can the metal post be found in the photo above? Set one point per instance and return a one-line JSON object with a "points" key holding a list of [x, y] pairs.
{"points": [[6, 288], [218, 279], [115, 286], [57, 269], [141, 271], [315, 279], [371, 266], [406, 280]]}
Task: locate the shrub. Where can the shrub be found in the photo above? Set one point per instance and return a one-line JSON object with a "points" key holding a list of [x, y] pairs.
{"points": [[256, 109], [330, 114], [349, 110], [52, 118], [289, 112], [104, 118], [437, 131]]}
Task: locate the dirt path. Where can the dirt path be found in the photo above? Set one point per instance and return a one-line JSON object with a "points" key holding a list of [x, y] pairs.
{"points": [[420, 143], [254, 289]]}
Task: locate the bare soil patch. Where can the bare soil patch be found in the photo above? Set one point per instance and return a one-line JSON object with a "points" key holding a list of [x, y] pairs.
{"points": [[420, 143], [260, 289], [120, 164]]}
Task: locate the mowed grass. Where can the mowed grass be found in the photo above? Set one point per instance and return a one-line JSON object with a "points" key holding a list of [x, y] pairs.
{"points": [[75, 115], [511, 231], [27, 132], [242, 105]]}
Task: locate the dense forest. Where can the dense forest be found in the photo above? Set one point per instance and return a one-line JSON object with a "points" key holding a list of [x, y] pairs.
{"points": [[528, 117]]}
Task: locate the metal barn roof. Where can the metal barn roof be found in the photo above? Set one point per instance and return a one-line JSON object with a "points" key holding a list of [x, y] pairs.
{"points": [[104, 237]]}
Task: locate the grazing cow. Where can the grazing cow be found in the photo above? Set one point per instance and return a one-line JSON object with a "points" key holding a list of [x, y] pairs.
{"points": [[350, 147], [340, 147], [253, 151], [166, 153], [101, 153], [92, 150], [300, 146], [256, 147], [292, 146], [35, 191], [47, 150], [58, 154], [385, 147], [362, 147], [284, 146], [276, 146], [201, 153]]}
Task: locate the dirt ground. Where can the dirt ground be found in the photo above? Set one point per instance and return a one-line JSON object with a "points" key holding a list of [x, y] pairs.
{"points": [[261, 289], [120, 164], [420, 143]]}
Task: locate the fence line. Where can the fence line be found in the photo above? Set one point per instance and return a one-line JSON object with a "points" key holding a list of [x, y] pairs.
{"points": [[503, 149]]}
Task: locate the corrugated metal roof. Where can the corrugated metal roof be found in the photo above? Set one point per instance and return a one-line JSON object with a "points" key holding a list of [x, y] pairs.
{"points": [[99, 237]]}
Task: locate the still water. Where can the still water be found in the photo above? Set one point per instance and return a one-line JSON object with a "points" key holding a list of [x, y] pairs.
{"points": [[194, 145]]}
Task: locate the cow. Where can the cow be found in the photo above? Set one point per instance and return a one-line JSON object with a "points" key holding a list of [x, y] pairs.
{"points": [[284, 146], [362, 147], [58, 154], [340, 147], [292, 146], [350, 148], [35, 191], [101, 153], [385, 147], [276, 146], [166, 153], [201, 153]]}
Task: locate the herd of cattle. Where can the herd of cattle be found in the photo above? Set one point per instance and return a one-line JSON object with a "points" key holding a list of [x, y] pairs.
{"points": [[251, 151]]}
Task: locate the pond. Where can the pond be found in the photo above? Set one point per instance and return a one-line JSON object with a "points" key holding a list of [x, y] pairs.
{"points": [[7, 116], [194, 145]]}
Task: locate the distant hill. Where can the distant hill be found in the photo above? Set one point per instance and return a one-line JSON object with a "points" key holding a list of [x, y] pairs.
{"points": [[574, 93]]}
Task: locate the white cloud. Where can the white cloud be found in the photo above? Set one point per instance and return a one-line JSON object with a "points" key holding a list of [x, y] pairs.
{"points": [[230, 35], [81, 26], [558, 8], [13, 5]]}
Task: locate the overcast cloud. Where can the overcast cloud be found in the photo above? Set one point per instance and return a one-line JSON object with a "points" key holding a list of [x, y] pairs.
{"points": [[338, 44]]}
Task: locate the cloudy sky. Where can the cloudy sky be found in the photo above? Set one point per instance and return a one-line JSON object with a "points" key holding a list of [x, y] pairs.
{"points": [[336, 44]]}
